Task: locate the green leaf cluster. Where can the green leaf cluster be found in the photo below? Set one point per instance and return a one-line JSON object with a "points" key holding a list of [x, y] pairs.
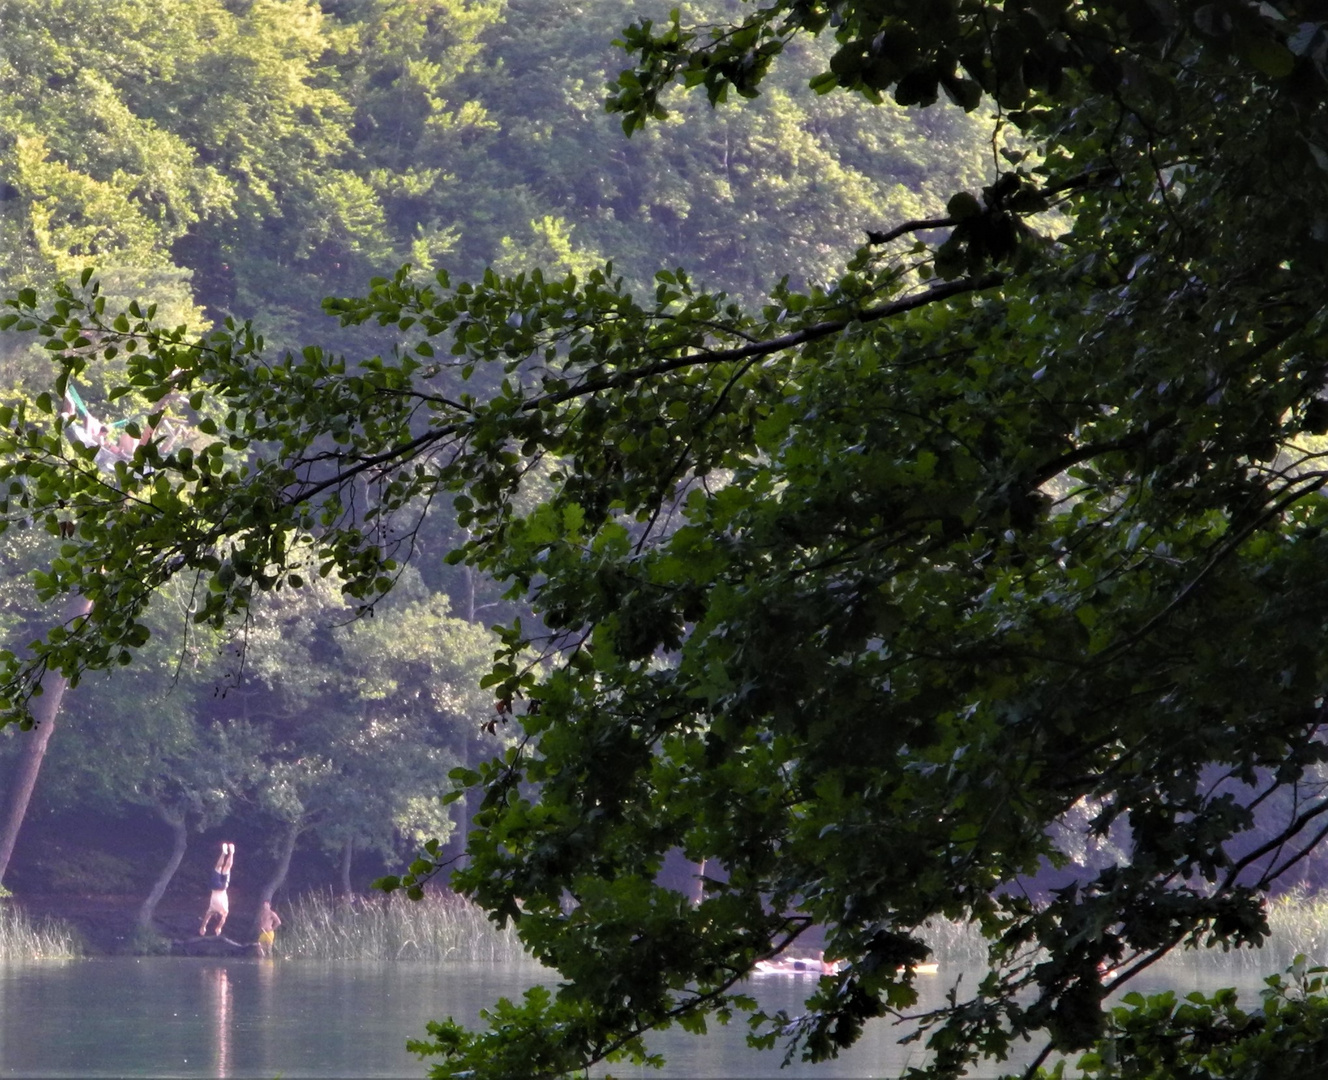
{"points": [[1209, 1036]]}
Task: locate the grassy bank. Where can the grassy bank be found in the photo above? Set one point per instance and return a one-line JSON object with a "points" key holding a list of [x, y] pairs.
{"points": [[439, 927], [24, 938]]}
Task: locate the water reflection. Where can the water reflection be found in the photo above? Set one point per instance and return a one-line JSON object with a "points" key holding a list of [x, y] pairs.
{"points": [[179, 1017], [126, 1017], [267, 1017], [217, 985]]}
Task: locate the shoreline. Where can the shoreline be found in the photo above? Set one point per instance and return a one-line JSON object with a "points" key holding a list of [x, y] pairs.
{"points": [[107, 925]]}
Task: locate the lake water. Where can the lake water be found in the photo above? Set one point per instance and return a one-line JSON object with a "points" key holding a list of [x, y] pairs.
{"points": [[169, 1017]]}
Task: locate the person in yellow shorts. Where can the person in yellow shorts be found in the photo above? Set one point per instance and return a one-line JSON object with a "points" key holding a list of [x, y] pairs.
{"points": [[268, 921]]}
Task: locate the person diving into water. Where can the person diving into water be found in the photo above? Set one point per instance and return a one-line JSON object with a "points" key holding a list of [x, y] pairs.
{"points": [[219, 904]]}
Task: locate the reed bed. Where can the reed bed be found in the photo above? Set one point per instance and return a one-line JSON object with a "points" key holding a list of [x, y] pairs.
{"points": [[1297, 924], [25, 938], [957, 944], [447, 927], [439, 927], [1297, 921]]}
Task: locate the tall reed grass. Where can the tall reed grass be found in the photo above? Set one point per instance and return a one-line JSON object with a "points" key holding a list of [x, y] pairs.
{"points": [[442, 926], [448, 927], [1297, 922], [958, 944], [25, 938], [1297, 925]]}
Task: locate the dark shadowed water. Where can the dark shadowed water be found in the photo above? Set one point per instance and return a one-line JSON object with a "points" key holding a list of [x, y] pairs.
{"points": [[161, 1017]]}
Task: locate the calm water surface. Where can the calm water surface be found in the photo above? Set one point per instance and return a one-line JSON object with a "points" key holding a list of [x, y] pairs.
{"points": [[163, 1017]]}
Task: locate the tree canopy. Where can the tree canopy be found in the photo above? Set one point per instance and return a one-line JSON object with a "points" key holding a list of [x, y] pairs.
{"points": [[246, 159], [252, 158], [853, 595]]}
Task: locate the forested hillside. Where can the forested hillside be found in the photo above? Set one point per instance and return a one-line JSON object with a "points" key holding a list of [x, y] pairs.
{"points": [[252, 158], [233, 159]]}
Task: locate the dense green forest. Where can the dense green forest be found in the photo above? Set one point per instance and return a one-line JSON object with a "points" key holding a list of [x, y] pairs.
{"points": [[246, 159], [952, 518], [250, 159]]}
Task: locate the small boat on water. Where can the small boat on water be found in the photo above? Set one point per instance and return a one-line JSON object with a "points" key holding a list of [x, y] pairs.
{"points": [[815, 965], [795, 965]]}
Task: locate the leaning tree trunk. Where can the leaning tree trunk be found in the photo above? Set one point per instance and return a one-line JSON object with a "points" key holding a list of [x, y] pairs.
{"points": [[278, 878], [180, 833], [347, 853], [44, 711]]}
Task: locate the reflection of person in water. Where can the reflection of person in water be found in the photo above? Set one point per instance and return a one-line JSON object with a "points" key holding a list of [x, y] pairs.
{"points": [[220, 992], [268, 921], [219, 904]]}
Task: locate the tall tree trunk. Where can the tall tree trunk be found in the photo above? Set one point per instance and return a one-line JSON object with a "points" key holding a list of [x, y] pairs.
{"points": [[278, 878], [469, 572], [347, 853], [44, 711], [463, 813], [175, 820]]}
